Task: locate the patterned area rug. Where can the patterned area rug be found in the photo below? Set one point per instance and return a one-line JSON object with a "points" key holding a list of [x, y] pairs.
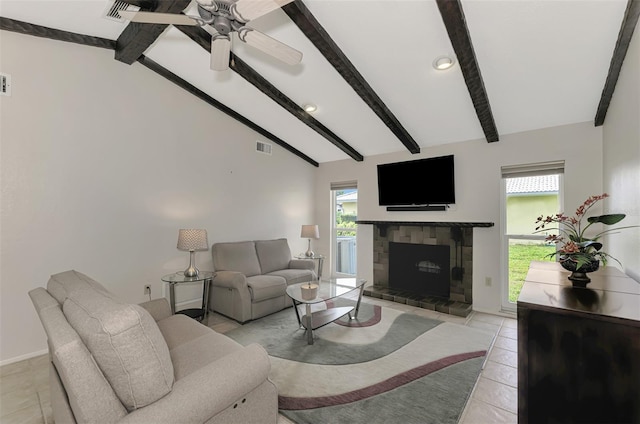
{"points": [[384, 367]]}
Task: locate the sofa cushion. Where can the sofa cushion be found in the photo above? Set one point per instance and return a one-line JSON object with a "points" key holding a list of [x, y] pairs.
{"points": [[237, 256], [179, 329], [262, 287], [193, 345], [273, 254], [294, 276], [63, 283], [126, 344]]}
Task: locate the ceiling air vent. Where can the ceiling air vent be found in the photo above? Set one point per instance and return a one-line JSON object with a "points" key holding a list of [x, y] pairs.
{"points": [[114, 6], [263, 147]]}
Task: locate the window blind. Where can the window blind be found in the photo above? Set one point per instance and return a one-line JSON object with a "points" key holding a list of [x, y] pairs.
{"points": [[533, 169], [344, 185]]}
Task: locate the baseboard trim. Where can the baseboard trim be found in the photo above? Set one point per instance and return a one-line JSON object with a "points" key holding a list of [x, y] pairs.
{"points": [[23, 357]]}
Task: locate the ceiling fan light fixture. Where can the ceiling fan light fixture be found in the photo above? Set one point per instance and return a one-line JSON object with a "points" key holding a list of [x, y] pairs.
{"points": [[442, 63], [309, 107], [222, 17]]}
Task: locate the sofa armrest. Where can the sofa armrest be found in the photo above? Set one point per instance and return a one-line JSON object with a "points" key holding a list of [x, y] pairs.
{"points": [[158, 308], [302, 264], [203, 394], [230, 279]]}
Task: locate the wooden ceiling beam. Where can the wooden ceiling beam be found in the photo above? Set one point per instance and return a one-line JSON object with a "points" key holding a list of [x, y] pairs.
{"points": [[629, 23], [160, 70], [201, 37], [258, 81], [136, 37], [454, 20], [144, 4], [312, 29], [55, 34]]}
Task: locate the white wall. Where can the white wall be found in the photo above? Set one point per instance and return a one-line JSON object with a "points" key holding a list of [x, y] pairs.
{"points": [[103, 162], [622, 161], [478, 189]]}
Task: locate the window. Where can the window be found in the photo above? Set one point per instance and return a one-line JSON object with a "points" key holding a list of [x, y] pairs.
{"points": [[528, 191], [344, 228]]}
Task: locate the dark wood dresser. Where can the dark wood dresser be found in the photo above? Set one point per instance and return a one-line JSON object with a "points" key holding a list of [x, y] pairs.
{"points": [[578, 348]]}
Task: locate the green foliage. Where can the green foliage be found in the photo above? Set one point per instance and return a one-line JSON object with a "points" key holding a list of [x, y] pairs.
{"points": [[346, 221], [610, 219], [520, 256]]}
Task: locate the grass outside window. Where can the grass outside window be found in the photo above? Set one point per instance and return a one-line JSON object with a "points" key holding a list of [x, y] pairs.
{"points": [[520, 256]]}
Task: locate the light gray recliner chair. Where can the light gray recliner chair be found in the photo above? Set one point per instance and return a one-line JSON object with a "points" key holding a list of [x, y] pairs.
{"points": [[114, 362]]}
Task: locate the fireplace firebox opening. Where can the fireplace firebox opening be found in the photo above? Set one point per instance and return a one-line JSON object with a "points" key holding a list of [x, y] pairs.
{"points": [[420, 269]]}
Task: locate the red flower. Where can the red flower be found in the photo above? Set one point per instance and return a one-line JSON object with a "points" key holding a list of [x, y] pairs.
{"points": [[569, 248]]}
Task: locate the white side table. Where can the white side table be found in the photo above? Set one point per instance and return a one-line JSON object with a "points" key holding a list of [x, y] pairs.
{"points": [[179, 278], [319, 258]]}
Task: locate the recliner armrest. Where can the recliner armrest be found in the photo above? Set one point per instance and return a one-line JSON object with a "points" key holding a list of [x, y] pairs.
{"points": [[302, 264], [230, 279], [158, 308], [203, 394]]}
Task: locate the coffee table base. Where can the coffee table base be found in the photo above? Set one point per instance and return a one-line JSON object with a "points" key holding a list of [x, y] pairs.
{"points": [[314, 320]]}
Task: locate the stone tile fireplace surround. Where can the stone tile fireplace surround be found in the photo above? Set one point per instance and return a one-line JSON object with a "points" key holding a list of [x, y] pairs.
{"points": [[460, 298]]}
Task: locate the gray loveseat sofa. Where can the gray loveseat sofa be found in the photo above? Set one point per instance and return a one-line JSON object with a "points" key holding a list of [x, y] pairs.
{"points": [[114, 362], [252, 277]]}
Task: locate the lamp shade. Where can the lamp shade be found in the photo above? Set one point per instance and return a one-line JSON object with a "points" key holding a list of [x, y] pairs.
{"points": [[310, 232], [191, 239]]}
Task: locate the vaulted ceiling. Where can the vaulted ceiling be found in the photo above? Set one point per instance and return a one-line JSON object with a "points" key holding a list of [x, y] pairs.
{"points": [[367, 64]]}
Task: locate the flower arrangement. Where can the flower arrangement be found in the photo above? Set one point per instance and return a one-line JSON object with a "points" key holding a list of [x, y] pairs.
{"points": [[575, 246]]}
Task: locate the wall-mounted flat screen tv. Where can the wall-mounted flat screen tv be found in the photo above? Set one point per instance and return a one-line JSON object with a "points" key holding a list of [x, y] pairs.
{"points": [[418, 182]]}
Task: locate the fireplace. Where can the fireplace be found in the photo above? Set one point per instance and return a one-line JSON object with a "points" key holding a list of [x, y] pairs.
{"points": [[421, 269], [451, 243]]}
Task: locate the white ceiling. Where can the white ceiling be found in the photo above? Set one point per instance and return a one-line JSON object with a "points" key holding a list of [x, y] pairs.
{"points": [[544, 63]]}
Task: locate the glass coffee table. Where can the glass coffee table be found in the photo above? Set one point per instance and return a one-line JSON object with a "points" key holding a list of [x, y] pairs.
{"points": [[327, 290]]}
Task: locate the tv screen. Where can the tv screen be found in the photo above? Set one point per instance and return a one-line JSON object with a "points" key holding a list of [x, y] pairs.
{"points": [[418, 182]]}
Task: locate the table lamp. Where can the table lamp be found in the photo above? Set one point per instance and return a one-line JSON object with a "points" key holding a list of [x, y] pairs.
{"points": [[192, 240], [310, 232]]}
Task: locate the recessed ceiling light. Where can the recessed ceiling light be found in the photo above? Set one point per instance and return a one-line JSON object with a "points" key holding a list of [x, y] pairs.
{"points": [[309, 107], [443, 62]]}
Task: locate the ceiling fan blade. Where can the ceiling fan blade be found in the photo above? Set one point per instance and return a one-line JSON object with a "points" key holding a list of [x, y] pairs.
{"points": [[246, 10], [209, 5], [220, 52], [269, 45], [211, 30], [158, 18]]}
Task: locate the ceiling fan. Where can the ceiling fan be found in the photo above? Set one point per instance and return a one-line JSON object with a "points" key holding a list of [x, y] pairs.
{"points": [[222, 17]]}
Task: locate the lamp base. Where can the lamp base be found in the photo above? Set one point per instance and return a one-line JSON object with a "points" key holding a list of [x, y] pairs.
{"points": [[192, 271], [309, 253]]}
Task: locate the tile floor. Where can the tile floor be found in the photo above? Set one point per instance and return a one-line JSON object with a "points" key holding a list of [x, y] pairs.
{"points": [[24, 391]]}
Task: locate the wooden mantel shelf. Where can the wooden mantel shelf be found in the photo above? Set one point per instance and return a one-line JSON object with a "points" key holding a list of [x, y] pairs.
{"points": [[429, 224], [383, 225]]}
